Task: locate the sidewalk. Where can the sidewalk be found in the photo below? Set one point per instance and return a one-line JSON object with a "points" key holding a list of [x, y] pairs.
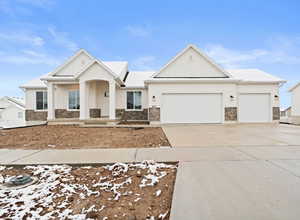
{"points": [[189, 154], [88, 156]]}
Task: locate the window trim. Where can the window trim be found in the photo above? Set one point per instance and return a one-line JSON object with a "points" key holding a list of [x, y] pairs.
{"points": [[73, 110], [127, 109], [40, 110]]}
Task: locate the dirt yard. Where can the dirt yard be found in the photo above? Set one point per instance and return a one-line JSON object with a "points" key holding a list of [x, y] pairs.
{"points": [[62, 137], [119, 191]]}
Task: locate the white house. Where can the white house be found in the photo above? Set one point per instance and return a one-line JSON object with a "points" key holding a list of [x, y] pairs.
{"points": [[191, 88], [12, 112], [294, 117]]}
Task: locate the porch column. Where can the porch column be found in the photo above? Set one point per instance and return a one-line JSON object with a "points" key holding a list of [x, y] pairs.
{"points": [[112, 100], [50, 100], [82, 94]]}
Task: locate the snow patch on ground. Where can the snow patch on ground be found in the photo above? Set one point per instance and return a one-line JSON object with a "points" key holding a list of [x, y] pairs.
{"points": [[50, 197]]}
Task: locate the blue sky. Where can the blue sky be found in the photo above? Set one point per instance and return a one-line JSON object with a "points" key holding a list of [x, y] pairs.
{"points": [[38, 35]]}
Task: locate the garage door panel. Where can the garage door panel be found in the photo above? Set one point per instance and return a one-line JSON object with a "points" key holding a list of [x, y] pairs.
{"points": [[191, 108], [254, 108]]}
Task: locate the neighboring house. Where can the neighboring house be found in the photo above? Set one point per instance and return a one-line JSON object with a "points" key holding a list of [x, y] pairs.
{"points": [[191, 88], [12, 112], [286, 112], [285, 115], [295, 106]]}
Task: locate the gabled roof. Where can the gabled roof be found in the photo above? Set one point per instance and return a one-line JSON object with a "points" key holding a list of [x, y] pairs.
{"points": [[18, 102], [191, 46], [70, 60], [294, 87], [36, 83], [115, 76], [254, 75]]}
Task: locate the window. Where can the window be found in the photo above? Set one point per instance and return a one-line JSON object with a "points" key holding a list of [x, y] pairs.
{"points": [[74, 101], [20, 115], [41, 100], [134, 100]]}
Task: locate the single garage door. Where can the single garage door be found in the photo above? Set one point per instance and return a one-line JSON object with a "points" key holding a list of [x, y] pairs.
{"points": [[191, 108], [254, 108]]}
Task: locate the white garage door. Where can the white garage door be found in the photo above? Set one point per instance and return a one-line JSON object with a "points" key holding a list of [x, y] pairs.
{"points": [[254, 108], [191, 108]]}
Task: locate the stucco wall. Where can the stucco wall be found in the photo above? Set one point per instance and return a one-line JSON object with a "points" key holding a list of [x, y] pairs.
{"points": [[296, 102]]}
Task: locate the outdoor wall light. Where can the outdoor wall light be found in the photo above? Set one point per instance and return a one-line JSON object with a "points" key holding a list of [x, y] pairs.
{"points": [[276, 96], [231, 97], [153, 98]]}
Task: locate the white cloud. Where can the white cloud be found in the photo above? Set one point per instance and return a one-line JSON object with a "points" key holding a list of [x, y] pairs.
{"points": [[23, 7], [137, 31], [38, 3], [62, 39], [144, 63], [19, 37], [283, 51], [29, 57]]}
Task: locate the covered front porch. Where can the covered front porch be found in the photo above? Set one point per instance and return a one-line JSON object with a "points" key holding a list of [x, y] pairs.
{"points": [[86, 100]]}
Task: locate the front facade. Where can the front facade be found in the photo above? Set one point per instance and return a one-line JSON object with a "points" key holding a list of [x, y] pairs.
{"points": [[294, 117], [12, 112], [191, 88]]}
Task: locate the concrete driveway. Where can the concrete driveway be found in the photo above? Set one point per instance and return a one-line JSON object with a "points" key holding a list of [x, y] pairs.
{"points": [[232, 135]]}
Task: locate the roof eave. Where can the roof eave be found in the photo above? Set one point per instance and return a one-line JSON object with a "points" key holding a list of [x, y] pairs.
{"points": [[294, 87], [261, 82], [33, 87], [183, 80]]}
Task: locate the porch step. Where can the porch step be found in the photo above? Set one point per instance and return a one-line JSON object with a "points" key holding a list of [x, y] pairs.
{"points": [[101, 121]]}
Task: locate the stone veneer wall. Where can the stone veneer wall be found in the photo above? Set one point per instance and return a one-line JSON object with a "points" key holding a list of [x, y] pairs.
{"points": [[32, 115], [132, 115], [230, 113], [276, 113], [64, 113], [154, 114], [95, 113]]}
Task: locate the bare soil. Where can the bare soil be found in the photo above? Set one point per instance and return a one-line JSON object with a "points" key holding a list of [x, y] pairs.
{"points": [[68, 137], [118, 191]]}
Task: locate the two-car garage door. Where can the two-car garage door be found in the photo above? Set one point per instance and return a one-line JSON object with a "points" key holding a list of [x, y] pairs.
{"points": [[191, 108]]}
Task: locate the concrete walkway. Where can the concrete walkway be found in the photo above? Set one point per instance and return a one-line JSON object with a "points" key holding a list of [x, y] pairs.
{"points": [[232, 135], [267, 186]]}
